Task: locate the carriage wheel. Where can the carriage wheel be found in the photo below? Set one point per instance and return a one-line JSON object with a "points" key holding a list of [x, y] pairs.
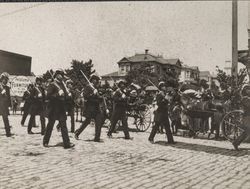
{"points": [[107, 123], [143, 120], [231, 125]]}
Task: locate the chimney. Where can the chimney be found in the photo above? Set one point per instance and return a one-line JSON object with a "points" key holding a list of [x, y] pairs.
{"points": [[146, 53]]}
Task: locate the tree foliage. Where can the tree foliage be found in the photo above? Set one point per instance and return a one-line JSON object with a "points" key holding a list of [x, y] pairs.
{"points": [[143, 75], [74, 73], [231, 88]]}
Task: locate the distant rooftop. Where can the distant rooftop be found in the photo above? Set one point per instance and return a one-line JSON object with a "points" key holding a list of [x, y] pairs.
{"points": [[204, 73], [147, 57], [113, 74], [190, 67]]}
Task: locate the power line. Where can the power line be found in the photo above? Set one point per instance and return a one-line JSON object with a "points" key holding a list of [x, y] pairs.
{"points": [[21, 10]]}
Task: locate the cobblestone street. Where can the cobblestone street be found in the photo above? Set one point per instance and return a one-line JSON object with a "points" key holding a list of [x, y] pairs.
{"points": [[119, 163]]}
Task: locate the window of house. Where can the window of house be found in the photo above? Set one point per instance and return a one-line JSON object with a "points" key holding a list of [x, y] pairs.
{"points": [[127, 68], [192, 75], [122, 69], [152, 68], [188, 74]]}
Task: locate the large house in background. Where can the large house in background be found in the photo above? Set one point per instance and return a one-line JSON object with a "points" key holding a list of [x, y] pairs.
{"points": [[209, 77], [111, 78], [157, 64], [189, 74]]}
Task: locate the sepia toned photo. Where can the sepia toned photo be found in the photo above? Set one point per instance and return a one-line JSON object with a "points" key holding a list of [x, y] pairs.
{"points": [[125, 95]]}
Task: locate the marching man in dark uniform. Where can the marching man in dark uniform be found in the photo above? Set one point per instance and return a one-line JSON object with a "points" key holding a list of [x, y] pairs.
{"points": [[93, 108], [70, 105], [161, 114], [57, 93], [27, 103], [120, 100], [245, 93], [5, 101], [37, 96]]}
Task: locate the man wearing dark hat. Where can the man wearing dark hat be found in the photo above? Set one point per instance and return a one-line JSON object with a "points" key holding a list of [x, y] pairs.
{"points": [[245, 94], [120, 99], [37, 96], [56, 95], [5, 101], [93, 110], [161, 114]]}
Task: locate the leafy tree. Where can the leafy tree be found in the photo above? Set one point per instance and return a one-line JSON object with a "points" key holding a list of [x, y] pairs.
{"points": [[75, 74], [230, 87], [143, 73]]}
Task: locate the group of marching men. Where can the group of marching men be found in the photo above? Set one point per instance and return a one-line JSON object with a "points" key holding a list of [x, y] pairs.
{"points": [[56, 98]]}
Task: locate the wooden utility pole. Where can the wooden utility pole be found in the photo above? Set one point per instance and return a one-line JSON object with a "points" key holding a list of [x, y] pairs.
{"points": [[235, 39]]}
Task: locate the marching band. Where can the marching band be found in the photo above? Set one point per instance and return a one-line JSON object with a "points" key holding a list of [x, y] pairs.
{"points": [[56, 99]]}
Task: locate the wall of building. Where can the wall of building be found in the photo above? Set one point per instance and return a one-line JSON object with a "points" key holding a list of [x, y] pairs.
{"points": [[188, 75], [15, 64], [124, 68]]}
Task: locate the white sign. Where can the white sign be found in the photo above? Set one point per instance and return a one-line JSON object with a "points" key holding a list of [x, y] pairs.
{"points": [[19, 85]]}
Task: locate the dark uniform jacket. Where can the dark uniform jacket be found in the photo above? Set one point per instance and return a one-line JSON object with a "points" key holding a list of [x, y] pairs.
{"points": [[119, 102], [5, 100], [56, 103], [69, 102], [92, 102], [162, 103], [37, 100], [27, 100]]}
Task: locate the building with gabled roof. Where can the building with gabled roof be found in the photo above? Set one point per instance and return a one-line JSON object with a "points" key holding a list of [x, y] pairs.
{"points": [[189, 74], [111, 78], [157, 64]]}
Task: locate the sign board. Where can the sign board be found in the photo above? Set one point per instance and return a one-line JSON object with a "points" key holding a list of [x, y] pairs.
{"points": [[19, 85]]}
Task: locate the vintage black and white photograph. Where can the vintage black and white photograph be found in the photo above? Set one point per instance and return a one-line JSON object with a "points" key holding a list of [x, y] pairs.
{"points": [[125, 95]]}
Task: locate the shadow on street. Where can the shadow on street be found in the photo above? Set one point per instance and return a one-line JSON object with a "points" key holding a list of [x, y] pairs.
{"points": [[207, 149]]}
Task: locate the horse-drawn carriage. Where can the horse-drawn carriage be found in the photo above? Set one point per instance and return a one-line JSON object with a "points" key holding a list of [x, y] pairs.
{"points": [[230, 124], [139, 114], [195, 112]]}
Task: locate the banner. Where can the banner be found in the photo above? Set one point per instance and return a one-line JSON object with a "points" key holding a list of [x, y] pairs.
{"points": [[19, 85]]}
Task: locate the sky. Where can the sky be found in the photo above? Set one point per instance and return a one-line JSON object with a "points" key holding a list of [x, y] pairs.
{"points": [[198, 33]]}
